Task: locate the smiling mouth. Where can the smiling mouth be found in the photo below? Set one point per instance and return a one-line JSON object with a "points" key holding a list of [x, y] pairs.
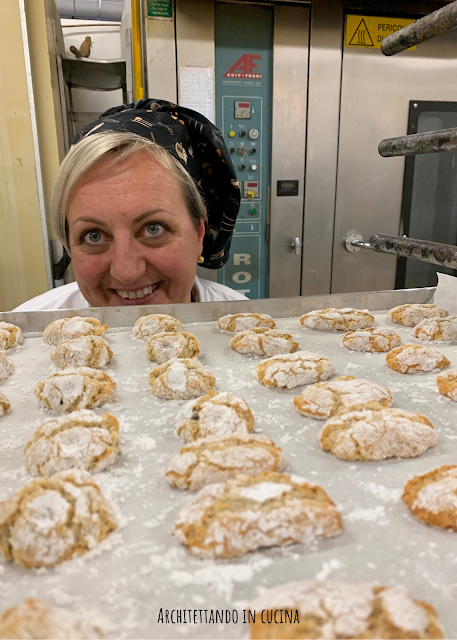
{"points": [[139, 293]]}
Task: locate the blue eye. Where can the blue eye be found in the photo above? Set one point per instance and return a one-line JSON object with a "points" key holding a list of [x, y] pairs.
{"points": [[94, 237], [153, 229]]}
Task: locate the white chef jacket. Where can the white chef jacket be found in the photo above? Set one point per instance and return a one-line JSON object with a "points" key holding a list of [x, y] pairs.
{"points": [[70, 297]]}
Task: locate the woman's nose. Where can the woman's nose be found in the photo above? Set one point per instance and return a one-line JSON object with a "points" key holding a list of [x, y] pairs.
{"points": [[127, 264]]}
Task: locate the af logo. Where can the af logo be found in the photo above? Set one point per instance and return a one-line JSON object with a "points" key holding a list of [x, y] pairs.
{"points": [[244, 67]]}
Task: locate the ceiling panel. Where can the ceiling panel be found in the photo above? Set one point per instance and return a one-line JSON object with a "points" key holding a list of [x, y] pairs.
{"points": [[91, 9]]}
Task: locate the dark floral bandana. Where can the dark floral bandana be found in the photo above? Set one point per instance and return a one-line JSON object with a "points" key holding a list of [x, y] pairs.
{"points": [[199, 146]]}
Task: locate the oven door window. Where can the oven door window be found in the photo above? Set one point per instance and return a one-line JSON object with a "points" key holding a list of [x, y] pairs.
{"points": [[429, 203]]}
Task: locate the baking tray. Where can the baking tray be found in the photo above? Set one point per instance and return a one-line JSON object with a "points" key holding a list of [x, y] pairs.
{"points": [[142, 569]]}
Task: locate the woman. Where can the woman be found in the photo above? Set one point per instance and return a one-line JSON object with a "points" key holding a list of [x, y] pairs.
{"points": [[144, 194]]}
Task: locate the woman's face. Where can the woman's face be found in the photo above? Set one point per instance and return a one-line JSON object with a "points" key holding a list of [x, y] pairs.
{"points": [[131, 237]]}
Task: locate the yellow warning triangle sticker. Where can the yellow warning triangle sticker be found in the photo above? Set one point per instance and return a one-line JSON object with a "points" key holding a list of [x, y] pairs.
{"points": [[361, 37]]}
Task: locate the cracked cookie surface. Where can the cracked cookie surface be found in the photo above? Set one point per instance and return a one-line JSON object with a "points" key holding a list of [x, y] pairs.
{"points": [[343, 610], [163, 347], [242, 321], [181, 379], [371, 433], [229, 519], [214, 414], [294, 370], [4, 404], [148, 326], [75, 388], [33, 618], [432, 496], [372, 340], [263, 342], [409, 315], [6, 366], [53, 519], [447, 383], [69, 328], [326, 399], [414, 358], [88, 351], [80, 440], [437, 330], [10, 336], [337, 319], [218, 458]]}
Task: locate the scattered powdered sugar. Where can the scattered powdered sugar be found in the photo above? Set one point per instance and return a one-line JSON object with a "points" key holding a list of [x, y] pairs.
{"points": [[223, 578], [377, 515], [328, 567], [386, 494]]}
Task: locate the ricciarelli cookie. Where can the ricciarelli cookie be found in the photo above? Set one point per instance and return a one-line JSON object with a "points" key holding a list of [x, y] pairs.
{"points": [[75, 388], [370, 433], [372, 340], [337, 320], [263, 342], [148, 326], [163, 347], [411, 314], [6, 366], [69, 328], [80, 440], [53, 519], [294, 370], [437, 330], [243, 321], [181, 379], [33, 618], [4, 404], [447, 383], [312, 609], [88, 351], [10, 336], [214, 414], [229, 519], [218, 458], [326, 399], [432, 496], [414, 358]]}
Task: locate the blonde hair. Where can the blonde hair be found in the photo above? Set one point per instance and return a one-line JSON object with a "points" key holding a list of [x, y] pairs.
{"points": [[115, 146]]}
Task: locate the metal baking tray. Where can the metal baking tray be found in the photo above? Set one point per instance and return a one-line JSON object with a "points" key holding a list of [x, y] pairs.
{"points": [[141, 569]]}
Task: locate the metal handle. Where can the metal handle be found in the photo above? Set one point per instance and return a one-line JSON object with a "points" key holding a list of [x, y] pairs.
{"points": [[296, 246], [422, 250], [440, 21], [419, 143]]}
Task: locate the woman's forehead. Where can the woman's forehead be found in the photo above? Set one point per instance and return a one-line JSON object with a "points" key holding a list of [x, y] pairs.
{"points": [[134, 183]]}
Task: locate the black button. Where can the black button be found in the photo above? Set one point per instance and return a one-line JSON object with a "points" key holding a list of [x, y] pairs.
{"points": [[232, 150], [242, 134], [253, 150], [242, 167]]}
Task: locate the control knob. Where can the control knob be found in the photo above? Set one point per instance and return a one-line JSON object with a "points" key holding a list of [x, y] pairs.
{"points": [[253, 134], [254, 167], [242, 167]]}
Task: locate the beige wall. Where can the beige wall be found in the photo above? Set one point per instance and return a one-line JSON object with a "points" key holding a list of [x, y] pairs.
{"points": [[45, 42], [22, 257]]}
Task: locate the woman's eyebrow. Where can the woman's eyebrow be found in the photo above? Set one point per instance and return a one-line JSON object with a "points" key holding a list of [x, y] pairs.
{"points": [[139, 218]]}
